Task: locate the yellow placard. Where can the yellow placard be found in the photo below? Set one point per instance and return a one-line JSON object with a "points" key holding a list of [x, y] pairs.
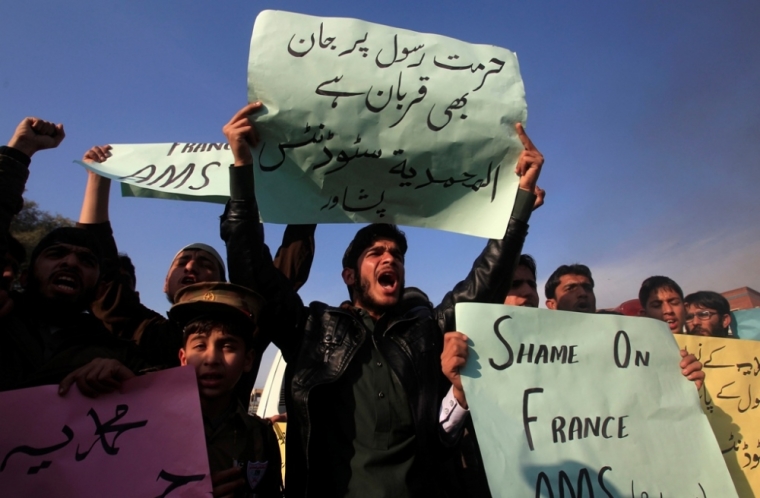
{"points": [[731, 400]]}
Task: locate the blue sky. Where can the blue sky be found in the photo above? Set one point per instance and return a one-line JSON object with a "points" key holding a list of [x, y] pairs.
{"points": [[648, 114]]}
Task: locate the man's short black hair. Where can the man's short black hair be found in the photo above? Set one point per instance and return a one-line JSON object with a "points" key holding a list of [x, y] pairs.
{"points": [[711, 300], [74, 236], [367, 236], [528, 262], [577, 269], [656, 283], [232, 326]]}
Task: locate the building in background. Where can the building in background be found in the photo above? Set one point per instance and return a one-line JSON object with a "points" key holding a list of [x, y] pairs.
{"points": [[743, 298]]}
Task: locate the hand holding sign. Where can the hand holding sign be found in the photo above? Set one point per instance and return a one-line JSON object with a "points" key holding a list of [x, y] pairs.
{"points": [[97, 154], [100, 376], [691, 368], [241, 134], [453, 358]]}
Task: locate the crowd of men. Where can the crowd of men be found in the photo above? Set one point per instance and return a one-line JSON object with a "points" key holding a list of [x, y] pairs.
{"points": [[375, 403]]}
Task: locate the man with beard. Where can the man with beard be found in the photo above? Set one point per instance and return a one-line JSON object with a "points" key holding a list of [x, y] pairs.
{"points": [[364, 383], [118, 304], [708, 314], [48, 333]]}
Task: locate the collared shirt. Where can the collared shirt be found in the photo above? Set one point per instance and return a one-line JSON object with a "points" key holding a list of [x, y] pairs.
{"points": [[370, 447], [236, 438]]}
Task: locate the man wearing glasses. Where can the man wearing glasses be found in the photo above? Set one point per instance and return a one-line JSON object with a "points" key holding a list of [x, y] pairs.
{"points": [[707, 314]]}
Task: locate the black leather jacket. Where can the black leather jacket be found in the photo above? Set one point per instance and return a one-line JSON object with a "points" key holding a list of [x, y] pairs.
{"points": [[319, 342]]}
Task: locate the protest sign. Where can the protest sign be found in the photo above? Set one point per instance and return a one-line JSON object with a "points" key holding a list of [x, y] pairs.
{"points": [[746, 323], [361, 123], [572, 404], [730, 399], [179, 171], [146, 440], [367, 123]]}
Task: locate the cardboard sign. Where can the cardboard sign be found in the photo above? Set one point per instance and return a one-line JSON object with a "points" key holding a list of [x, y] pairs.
{"points": [[146, 440], [573, 404]]}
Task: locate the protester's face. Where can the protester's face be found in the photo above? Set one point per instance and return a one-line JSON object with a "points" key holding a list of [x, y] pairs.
{"points": [[66, 273], [219, 360], [665, 304], [191, 267], [381, 277], [706, 321], [574, 293], [523, 291]]}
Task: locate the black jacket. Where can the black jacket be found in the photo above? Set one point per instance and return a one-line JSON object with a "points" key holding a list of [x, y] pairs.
{"points": [[319, 342]]}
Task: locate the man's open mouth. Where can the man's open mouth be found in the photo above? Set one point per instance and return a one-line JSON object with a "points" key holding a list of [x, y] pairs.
{"points": [[188, 280], [66, 282], [388, 280]]}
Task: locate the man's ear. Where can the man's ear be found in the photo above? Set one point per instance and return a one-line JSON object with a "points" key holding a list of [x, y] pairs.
{"points": [[248, 365], [349, 276], [726, 321], [551, 304], [182, 357]]}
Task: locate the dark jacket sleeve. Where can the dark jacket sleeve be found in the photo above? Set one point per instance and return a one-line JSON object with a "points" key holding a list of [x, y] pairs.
{"points": [[14, 171], [118, 307], [295, 255], [491, 274], [250, 264]]}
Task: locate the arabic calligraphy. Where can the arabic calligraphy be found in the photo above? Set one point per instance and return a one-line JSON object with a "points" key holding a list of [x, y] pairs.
{"points": [[377, 97], [101, 430], [376, 123], [730, 398], [336, 160]]}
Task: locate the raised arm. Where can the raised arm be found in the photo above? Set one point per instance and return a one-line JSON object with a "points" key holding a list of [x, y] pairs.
{"points": [[248, 258], [491, 274], [31, 136], [94, 214], [117, 304], [96, 193]]}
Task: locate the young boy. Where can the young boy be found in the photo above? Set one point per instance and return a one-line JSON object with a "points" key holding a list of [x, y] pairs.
{"points": [[218, 320]]}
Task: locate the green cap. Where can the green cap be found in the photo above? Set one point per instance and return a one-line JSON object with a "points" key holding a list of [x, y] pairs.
{"points": [[213, 299]]}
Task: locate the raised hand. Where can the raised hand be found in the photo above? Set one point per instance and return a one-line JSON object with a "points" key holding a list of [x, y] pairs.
{"points": [[241, 134], [34, 134], [97, 154], [529, 164]]}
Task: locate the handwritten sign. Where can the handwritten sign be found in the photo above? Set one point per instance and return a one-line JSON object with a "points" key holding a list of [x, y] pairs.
{"points": [[731, 400], [564, 402], [179, 171], [368, 123], [146, 440], [362, 123]]}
